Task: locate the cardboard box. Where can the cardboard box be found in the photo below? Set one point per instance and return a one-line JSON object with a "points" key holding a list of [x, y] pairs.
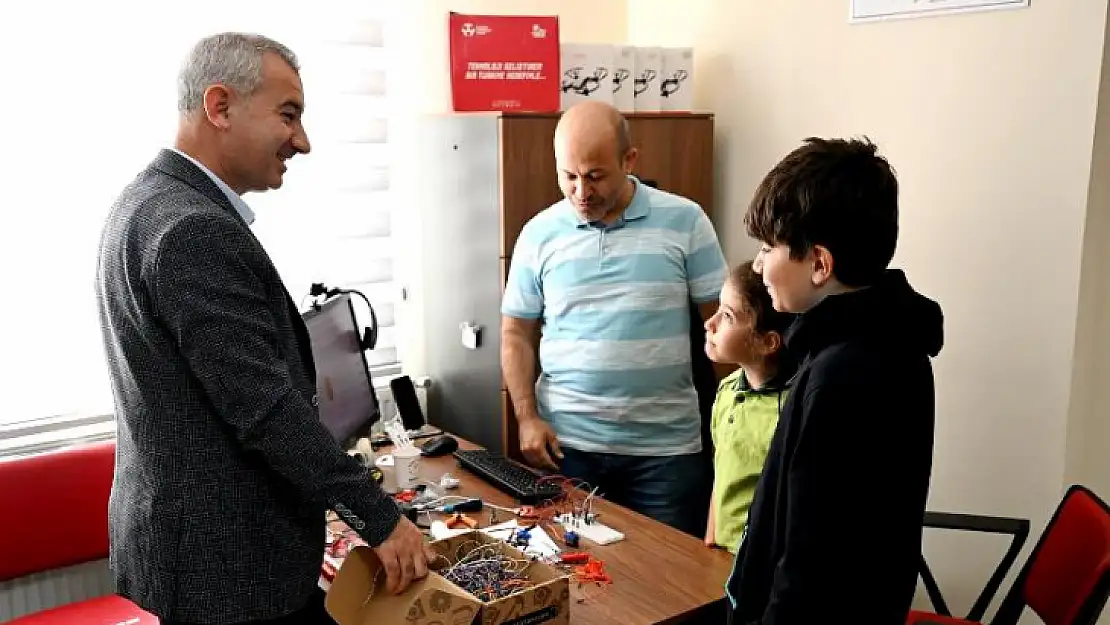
{"points": [[676, 89], [648, 67], [358, 595], [587, 73], [504, 62], [624, 71]]}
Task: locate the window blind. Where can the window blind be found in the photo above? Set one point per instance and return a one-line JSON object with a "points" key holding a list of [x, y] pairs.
{"points": [[89, 106]]}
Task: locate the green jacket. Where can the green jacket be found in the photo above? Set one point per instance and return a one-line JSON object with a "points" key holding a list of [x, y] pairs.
{"points": [[744, 419]]}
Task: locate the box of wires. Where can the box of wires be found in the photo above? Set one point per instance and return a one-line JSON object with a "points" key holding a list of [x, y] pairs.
{"points": [[475, 579]]}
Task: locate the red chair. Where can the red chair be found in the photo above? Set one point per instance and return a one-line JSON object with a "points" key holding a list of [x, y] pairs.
{"points": [[53, 514], [1065, 581]]}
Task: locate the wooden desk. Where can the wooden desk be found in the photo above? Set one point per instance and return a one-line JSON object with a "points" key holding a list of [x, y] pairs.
{"points": [[660, 575]]}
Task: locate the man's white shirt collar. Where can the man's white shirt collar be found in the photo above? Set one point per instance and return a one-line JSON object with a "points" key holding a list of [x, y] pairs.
{"points": [[240, 206]]}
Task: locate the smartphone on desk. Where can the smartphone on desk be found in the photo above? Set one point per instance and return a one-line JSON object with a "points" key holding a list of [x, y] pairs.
{"points": [[408, 407]]}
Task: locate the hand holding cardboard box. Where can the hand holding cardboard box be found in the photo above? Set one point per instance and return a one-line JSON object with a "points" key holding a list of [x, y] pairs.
{"points": [[358, 596]]}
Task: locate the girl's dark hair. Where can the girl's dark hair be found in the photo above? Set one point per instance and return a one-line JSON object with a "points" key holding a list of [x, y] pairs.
{"points": [[757, 301]]}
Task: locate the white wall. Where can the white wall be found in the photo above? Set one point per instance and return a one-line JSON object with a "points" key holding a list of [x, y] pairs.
{"points": [[1088, 426], [989, 119]]}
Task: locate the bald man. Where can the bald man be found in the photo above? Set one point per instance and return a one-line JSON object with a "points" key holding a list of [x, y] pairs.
{"points": [[610, 271]]}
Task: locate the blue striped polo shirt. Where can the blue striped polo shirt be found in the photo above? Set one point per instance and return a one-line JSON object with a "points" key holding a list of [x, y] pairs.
{"points": [[615, 308]]}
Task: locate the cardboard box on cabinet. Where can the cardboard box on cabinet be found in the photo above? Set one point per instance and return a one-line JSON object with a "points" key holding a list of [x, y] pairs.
{"points": [[587, 73], [648, 68], [504, 62], [676, 87], [624, 72]]}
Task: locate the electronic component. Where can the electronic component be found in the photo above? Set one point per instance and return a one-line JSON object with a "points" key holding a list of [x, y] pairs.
{"points": [[521, 538], [591, 530]]}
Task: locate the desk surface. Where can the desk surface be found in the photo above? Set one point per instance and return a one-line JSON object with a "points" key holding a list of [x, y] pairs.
{"points": [[660, 575]]}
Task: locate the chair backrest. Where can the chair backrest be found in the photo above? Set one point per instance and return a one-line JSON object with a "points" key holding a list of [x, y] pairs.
{"points": [[1067, 576], [54, 509]]}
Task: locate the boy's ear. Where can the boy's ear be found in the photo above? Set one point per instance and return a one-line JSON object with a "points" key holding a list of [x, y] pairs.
{"points": [[822, 266]]}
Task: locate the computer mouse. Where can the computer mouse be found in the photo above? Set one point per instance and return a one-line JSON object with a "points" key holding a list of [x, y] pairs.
{"points": [[439, 446]]}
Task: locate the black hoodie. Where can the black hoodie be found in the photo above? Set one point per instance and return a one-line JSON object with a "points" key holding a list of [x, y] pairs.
{"points": [[834, 532]]}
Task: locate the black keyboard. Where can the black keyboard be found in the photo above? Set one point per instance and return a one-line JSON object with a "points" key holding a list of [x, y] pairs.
{"points": [[508, 476]]}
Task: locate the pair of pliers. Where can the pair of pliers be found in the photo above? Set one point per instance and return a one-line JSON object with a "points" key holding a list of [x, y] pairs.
{"points": [[459, 520]]}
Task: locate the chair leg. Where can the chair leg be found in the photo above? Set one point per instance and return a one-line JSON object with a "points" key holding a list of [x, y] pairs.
{"points": [[933, 590]]}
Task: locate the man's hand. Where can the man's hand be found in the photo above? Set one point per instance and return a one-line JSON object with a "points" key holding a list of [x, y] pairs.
{"points": [[538, 442], [405, 556]]}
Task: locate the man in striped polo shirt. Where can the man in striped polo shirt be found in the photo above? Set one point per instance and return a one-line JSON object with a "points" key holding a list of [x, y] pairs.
{"points": [[607, 276]]}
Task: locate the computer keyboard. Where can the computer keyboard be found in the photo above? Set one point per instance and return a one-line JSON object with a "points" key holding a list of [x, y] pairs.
{"points": [[508, 476]]}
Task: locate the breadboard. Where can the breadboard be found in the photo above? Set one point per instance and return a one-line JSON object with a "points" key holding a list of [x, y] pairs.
{"points": [[594, 532]]}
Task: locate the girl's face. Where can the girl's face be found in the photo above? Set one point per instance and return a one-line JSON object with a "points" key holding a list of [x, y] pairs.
{"points": [[730, 334]]}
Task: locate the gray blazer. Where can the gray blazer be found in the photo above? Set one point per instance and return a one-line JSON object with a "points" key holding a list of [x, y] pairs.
{"points": [[223, 471]]}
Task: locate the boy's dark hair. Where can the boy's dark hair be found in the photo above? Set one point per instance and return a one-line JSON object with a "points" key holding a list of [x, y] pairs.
{"points": [[837, 193], [757, 301]]}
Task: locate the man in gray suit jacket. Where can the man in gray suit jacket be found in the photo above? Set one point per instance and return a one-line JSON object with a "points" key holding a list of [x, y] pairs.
{"points": [[224, 472]]}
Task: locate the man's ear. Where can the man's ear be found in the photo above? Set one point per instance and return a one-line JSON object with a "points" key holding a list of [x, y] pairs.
{"points": [[822, 260], [630, 160], [217, 104]]}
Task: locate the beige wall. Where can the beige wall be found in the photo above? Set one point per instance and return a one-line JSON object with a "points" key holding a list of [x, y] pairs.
{"points": [[425, 89], [989, 119], [1088, 457]]}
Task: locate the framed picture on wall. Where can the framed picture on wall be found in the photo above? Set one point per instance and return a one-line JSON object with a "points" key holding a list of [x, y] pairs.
{"points": [[874, 10]]}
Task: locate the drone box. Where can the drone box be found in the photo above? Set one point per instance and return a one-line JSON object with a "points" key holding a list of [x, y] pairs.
{"points": [[649, 66], [587, 73], [358, 595], [676, 85], [504, 62], [624, 72]]}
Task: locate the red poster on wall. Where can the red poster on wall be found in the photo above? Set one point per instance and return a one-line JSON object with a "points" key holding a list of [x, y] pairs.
{"points": [[504, 63]]}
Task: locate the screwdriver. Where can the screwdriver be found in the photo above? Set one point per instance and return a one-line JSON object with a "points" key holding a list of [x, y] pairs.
{"points": [[470, 505]]}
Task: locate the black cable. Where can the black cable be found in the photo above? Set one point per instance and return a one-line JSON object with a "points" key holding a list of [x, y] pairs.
{"points": [[370, 335]]}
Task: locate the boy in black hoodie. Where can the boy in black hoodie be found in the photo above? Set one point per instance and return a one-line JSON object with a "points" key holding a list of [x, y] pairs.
{"points": [[834, 533]]}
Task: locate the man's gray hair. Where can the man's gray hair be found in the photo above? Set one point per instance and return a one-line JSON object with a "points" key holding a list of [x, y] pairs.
{"points": [[230, 59]]}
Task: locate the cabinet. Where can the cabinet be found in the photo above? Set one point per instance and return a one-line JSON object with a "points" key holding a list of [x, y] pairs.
{"points": [[488, 174]]}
